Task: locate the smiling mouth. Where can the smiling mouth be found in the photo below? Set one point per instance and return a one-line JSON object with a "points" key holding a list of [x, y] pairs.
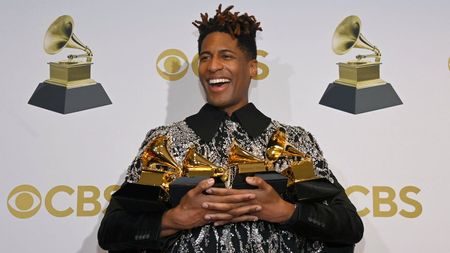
{"points": [[218, 81]]}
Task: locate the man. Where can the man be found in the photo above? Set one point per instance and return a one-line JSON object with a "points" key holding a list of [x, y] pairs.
{"points": [[211, 219]]}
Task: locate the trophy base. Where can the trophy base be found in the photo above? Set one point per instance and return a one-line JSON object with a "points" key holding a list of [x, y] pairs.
{"points": [[180, 186], [67, 100], [352, 100], [274, 179]]}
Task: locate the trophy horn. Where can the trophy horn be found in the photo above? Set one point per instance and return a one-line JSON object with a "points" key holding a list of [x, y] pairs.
{"points": [[278, 147], [154, 156], [348, 35], [60, 35], [195, 164], [245, 161]]}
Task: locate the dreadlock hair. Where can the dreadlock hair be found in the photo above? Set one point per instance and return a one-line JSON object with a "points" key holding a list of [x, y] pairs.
{"points": [[241, 27]]}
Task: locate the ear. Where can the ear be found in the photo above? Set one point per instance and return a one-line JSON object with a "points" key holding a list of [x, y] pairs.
{"points": [[253, 68]]}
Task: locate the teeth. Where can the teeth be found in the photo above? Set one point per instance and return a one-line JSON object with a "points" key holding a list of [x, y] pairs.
{"points": [[216, 81]]}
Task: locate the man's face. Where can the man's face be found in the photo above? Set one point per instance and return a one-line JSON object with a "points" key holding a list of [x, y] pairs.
{"points": [[225, 72]]}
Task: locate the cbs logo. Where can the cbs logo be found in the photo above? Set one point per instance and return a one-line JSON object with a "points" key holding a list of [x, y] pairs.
{"points": [[173, 64], [24, 201], [385, 202]]}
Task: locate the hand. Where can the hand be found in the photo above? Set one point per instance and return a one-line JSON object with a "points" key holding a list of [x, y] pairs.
{"points": [[267, 205], [195, 209], [230, 205], [273, 207]]}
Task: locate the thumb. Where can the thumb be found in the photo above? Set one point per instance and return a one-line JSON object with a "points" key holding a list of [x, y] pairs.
{"points": [[203, 185], [257, 181]]}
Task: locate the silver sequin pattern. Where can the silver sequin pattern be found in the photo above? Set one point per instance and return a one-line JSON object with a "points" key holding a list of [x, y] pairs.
{"points": [[248, 237]]}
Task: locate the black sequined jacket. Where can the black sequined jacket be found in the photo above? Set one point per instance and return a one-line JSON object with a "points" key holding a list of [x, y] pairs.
{"points": [[317, 225]]}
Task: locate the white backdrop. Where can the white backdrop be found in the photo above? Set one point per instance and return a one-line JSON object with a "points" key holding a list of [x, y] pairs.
{"points": [[69, 159]]}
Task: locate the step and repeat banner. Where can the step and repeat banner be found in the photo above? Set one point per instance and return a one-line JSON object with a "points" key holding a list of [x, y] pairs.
{"points": [[69, 131]]}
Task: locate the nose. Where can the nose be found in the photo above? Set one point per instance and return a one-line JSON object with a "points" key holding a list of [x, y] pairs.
{"points": [[215, 64]]}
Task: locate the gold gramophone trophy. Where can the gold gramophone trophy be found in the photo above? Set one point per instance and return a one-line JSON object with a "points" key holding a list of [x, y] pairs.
{"points": [[159, 168], [359, 87], [70, 87], [303, 183], [249, 165], [161, 171], [195, 165], [301, 169]]}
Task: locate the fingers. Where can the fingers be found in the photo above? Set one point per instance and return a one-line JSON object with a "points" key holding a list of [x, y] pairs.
{"points": [[245, 210], [214, 217], [202, 186], [231, 199], [223, 191], [233, 210], [222, 207], [259, 182], [243, 214]]}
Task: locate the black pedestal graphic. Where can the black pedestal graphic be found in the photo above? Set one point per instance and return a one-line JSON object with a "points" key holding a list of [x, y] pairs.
{"points": [[63, 100], [352, 100]]}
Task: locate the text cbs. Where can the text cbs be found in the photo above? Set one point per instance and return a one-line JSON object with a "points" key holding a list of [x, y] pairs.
{"points": [[25, 201]]}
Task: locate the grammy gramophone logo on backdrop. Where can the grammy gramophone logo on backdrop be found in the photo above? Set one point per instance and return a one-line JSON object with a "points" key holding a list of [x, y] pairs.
{"points": [[70, 87], [359, 87]]}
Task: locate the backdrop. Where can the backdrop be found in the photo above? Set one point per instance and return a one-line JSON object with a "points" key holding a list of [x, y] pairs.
{"points": [[58, 170]]}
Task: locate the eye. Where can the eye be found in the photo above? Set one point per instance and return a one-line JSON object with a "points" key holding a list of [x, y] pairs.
{"points": [[24, 201], [172, 64], [227, 56], [204, 57]]}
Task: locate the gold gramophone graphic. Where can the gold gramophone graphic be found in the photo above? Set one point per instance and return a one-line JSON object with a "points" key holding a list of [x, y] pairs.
{"points": [[70, 87], [301, 169], [359, 87]]}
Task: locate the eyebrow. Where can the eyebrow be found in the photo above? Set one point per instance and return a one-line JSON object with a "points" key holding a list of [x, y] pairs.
{"points": [[220, 51]]}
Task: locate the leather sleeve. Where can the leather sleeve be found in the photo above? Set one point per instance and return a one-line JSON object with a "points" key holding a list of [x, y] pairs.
{"points": [[332, 221], [133, 223]]}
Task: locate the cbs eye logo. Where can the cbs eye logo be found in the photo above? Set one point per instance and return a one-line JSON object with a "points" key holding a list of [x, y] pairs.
{"points": [[173, 64], [24, 201]]}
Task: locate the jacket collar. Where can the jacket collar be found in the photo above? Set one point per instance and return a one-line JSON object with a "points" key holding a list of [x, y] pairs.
{"points": [[207, 121]]}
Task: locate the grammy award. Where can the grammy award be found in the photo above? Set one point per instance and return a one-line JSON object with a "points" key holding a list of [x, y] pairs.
{"points": [[170, 180], [303, 183], [70, 87], [301, 169], [196, 168], [248, 165], [359, 87]]}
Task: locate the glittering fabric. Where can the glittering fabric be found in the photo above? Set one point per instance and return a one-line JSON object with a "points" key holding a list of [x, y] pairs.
{"points": [[251, 237]]}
